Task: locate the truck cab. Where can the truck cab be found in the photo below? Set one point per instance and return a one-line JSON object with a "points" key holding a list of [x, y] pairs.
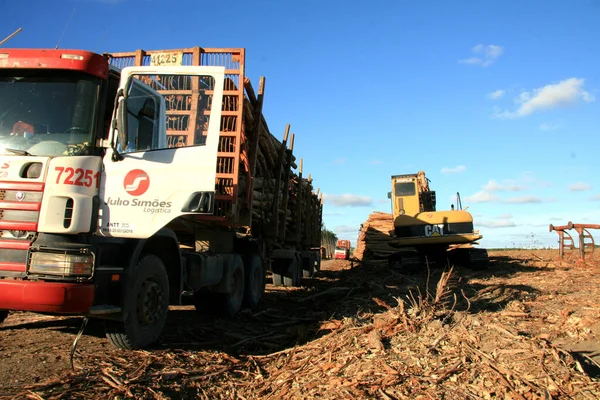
{"points": [[88, 184]]}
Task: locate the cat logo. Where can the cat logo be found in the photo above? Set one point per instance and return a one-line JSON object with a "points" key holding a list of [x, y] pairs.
{"points": [[434, 230]]}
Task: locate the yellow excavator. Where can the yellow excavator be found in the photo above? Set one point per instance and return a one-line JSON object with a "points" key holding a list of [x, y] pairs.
{"points": [[423, 234]]}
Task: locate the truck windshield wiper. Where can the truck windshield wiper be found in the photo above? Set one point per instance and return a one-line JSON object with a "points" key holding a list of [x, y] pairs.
{"points": [[18, 152]]}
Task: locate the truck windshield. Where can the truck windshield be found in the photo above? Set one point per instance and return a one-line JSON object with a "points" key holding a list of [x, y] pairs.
{"points": [[405, 189], [47, 113]]}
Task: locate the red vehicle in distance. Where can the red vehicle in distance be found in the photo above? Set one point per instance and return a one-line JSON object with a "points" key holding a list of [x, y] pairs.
{"points": [[342, 250]]}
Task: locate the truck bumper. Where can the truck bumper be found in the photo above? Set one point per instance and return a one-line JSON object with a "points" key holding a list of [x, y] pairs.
{"points": [[52, 297]]}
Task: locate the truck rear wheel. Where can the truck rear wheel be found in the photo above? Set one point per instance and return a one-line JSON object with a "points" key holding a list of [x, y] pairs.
{"points": [[255, 280], [308, 266], [277, 278], [278, 267], [3, 315], [317, 261], [146, 305], [293, 274], [231, 302]]}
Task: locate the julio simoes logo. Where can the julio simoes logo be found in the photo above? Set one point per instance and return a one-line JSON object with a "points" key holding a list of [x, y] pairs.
{"points": [[136, 182]]}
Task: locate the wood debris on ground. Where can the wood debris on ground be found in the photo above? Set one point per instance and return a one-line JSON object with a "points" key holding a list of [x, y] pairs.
{"points": [[372, 333]]}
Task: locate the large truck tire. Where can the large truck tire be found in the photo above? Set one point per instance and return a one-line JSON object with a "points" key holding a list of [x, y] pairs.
{"points": [[293, 275], [3, 315], [278, 267], [145, 306], [232, 301], [317, 260], [277, 277], [308, 266], [254, 280]]}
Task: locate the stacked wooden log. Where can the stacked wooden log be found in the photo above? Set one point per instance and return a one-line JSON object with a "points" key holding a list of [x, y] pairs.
{"points": [[269, 161], [275, 184], [374, 236]]}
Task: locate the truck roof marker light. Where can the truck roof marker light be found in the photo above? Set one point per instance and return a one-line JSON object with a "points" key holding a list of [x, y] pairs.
{"points": [[71, 56]]}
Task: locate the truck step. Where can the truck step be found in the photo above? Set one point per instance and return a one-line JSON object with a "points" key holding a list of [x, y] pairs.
{"points": [[104, 309]]}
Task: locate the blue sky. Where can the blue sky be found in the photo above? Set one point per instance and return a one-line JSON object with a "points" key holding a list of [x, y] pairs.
{"points": [[497, 100]]}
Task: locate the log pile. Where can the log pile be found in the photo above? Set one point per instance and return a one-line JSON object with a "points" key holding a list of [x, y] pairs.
{"points": [[374, 236], [269, 159], [275, 184]]}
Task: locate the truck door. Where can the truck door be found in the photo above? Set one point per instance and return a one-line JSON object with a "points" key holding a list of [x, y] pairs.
{"points": [[155, 176]]}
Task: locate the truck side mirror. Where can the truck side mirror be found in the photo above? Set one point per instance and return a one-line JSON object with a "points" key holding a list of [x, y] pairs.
{"points": [[389, 195], [122, 123]]}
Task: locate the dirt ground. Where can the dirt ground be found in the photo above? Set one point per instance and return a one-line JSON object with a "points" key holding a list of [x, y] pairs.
{"points": [[526, 327]]}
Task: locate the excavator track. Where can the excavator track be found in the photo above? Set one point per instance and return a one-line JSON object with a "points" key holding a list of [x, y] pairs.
{"points": [[411, 259]]}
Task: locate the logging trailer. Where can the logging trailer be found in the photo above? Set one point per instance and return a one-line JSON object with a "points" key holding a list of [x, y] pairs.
{"points": [[424, 234], [133, 181]]}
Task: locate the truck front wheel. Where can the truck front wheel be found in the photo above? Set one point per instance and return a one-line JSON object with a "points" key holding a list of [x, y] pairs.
{"points": [[145, 307], [3, 315]]}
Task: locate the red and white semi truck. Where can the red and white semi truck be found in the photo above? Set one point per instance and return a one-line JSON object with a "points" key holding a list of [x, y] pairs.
{"points": [[130, 182]]}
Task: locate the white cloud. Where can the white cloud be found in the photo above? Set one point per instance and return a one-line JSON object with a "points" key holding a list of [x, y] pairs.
{"points": [[524, 182], [345, 229], [348, 200], [510, 186], [485, 55], [496, 94], [579, 187], [481, 197], [496, 224], [554, 95], [460, 168], [549, 127], [528, 177], [524, 200], [595, 197], [339, 161], [505, 216]]}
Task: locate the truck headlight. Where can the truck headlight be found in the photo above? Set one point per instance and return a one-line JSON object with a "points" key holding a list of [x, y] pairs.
{"points": [[61, 264]]}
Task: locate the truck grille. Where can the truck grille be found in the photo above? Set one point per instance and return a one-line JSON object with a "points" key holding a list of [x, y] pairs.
{"points": [[19, 213]]}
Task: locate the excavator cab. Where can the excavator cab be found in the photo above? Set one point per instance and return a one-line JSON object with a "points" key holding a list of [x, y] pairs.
{"points": [[411, 195]]}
